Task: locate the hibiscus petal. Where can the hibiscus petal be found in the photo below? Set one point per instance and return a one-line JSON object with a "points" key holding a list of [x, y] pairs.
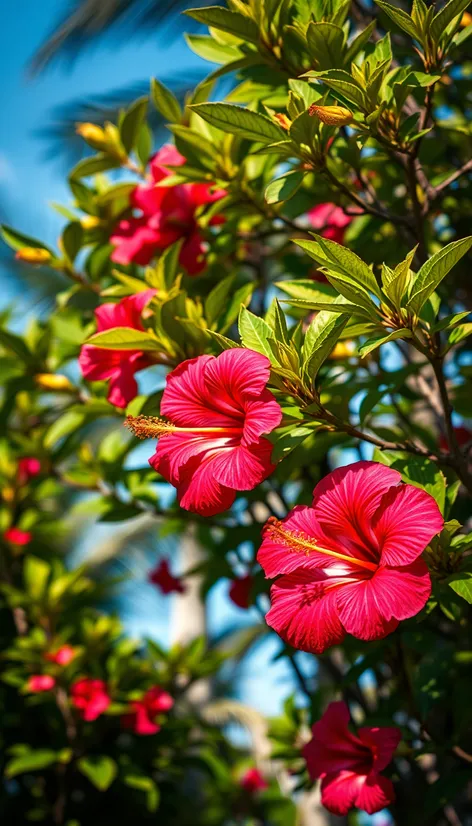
{"points": [[382, 742], [375, 794], [371, 609], [277, 557], [132, 307], [333, 747], [200, 493], [148, 197], [192, 254], [240, 373], [167, 156], [175, 450], [98, 364], [242, 468], [123, 387], [262, 416], [340, 791], [201, 194], [406, 520], [346, 500], [134, 243], [187, 401], [304, 611]]}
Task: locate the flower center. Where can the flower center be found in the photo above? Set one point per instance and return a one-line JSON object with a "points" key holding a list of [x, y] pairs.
{"points": [[300, 542], [150, 427]]}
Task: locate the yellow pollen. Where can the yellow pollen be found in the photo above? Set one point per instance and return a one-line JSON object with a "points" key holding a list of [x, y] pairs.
{"points": [[150, 427], [299, 541]]}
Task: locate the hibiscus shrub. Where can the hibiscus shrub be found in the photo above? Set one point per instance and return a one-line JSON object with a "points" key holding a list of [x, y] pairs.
{"points": [[281, 298]]}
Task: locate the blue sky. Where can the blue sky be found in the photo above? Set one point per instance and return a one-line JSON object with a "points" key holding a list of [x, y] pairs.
{"points": [[28, 182]]}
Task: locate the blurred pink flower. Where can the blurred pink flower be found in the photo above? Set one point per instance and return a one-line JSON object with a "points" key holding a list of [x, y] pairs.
{"points": [[168, 213]]}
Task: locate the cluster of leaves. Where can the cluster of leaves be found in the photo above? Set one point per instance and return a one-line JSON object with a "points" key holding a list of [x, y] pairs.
{"points": [[368, 337]]}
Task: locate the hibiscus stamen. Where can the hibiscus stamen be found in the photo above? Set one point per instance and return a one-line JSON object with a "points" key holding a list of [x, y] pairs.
{"points": [[151, 427], [300, 542]]}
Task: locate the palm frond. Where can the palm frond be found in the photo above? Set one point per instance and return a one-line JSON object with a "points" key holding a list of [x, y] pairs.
{"points": [[60, 135], [87, 20]]}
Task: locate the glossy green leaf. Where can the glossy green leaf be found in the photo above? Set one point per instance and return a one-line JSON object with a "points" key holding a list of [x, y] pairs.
{"points": [[373, 343], [284, 187], [255, 332], [227, 21], [445, 16], [165, 101], [99, 769], [131, 124], [434, 270], [326, 45], [124, 338], [400, 17], [30, 762], [239, 121]]}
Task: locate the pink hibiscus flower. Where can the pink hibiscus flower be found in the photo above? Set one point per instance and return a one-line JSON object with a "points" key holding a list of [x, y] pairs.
{"points": [[165, 581], [40, 682], [240, 591], [141, 718], [331, 220], [350, 563], [17, 537], [253, 781], [98, 363], [212, 445], [28, 467], [349, 765], [166, 215], [63, 656], [90, 698]]}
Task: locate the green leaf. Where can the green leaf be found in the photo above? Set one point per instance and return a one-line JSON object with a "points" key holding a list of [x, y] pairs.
{"points": [[288, 440], [165, 101], [432, 273], [461, 583], [449, 321], [447, 14], [31, 761], [418, 471], [284, 187], [209, 49], [395, 282], [332, 306], [70, 421], [227, 21], [72, 238], [358, 42], [124, 338], [373, 343], [16, 240], [401, 18], [99, 769], [350, 264], [459, 333], [92, 166], [16, 345], [341, 82], [216, 301], [307, 289], [147, 785], [131, 124], [238, 121], [36, 573], [326, 44], [255, 332], [320, 338]]}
